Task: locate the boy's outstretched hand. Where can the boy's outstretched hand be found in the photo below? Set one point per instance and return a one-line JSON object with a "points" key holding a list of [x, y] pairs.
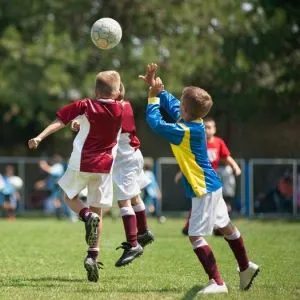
{"points": [[149, 77], [155, 88], [75, 125], [34, 143]]}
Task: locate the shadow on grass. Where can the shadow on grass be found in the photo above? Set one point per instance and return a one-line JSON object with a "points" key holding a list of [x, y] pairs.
{"points": [[56, 278], [49, 281], [192, 293]]}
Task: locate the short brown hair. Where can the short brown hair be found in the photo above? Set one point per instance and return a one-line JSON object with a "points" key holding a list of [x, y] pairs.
{"points": [[108, 83], [122, 91], [209, 119], [196, 101]]}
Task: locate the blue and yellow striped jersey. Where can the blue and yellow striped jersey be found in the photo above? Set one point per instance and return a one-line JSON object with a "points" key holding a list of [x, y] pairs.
{"points": [[188, 143]]}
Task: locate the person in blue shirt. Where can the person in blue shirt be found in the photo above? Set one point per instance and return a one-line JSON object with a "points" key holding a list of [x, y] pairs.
{"points": [[152, 194], [10, 185], [188, 142], [55, 170]]}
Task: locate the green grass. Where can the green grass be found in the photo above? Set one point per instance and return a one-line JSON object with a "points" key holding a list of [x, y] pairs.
{"points": [[43, 259]]}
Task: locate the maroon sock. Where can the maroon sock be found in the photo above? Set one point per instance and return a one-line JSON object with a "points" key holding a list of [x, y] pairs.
{"points": [[141, 220], [240, 253], [84, 214], [129, 222], [93, 253], [207, 259]]}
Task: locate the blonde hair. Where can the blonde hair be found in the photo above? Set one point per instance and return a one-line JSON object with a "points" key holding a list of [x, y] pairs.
{"points": [[197, 102], [122, 91], [108, 84]]}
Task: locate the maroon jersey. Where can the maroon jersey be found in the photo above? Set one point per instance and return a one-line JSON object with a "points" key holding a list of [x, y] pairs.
{"points": [[94, 146], [128, 142]]}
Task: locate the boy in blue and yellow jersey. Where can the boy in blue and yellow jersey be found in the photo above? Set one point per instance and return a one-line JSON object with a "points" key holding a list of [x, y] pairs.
{"points": [[188, 142]]}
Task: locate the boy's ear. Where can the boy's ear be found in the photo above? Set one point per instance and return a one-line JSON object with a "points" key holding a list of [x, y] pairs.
{"points": [[116, 95]]}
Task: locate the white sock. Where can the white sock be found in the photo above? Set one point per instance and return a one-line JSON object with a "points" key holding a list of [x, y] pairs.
{"points": [[125, 211], [199, 243], [234, 236], [139, 207], [93, 249]]}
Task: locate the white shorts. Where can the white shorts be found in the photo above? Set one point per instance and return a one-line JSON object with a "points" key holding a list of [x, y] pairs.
{"points": [[208, 212], [128, 175], [99, 186]]}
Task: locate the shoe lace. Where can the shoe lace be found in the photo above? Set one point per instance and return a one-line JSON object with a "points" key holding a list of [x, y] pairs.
{"points": [[125, 246]]}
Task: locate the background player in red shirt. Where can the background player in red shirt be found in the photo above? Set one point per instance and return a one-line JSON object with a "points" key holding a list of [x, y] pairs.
{"points": [[216, 148], [217, 152], [90, 164]]}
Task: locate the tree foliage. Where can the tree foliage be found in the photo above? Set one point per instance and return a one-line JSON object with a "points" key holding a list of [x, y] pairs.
{"points": [[245, 53]]}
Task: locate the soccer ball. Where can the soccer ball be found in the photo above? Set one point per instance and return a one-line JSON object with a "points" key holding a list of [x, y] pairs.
{"points": [[106, 33]]}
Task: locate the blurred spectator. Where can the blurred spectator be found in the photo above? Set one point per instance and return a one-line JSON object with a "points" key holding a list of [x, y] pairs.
{"points": [[229, 185], [152, 194], [278, 199], [10, 185], [53, 203]]}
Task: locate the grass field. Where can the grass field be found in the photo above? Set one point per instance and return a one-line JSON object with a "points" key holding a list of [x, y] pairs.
{"points": [[43, 259]]}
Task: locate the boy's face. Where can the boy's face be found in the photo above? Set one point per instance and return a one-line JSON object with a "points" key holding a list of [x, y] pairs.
{"points": [[210, 128]]}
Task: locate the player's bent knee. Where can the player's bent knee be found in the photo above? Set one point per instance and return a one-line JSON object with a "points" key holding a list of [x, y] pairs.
{"points": [[198, 242], [228, 229], [136, 200], [124, 203]]}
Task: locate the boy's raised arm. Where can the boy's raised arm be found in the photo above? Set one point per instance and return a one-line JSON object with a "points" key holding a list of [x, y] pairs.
{"points": [[170, 131], [167, 101], [53, 127]]}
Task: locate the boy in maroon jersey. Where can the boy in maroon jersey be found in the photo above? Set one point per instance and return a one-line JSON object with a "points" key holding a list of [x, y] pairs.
{"points": [[90, 164], [129, 179], [217, 152]]}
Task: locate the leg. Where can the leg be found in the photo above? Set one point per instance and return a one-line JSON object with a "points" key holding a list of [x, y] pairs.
{"points": [[206, 258], [90, 262], [131, 248], [248, 270], [236, 243], [129, 221], [201, 224], [140, 212], [145, 236], [185, 228]]}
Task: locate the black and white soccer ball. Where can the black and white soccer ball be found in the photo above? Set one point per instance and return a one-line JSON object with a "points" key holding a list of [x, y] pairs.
{"points": [[106, 33]]}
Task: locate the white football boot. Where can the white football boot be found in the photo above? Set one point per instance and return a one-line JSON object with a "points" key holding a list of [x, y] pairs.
{"points": [[213, 288], [247, 276]]}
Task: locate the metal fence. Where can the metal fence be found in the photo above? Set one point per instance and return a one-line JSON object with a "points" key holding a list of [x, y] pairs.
{"points": [[266, 186], [173, 198], [277, 181]]}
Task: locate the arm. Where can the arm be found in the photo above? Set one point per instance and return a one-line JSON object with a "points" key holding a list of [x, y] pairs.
{"points": [[45, 166], [53, 127], [170, 103], [167, 101], [64, 116], [170, 131], [233, 164]]}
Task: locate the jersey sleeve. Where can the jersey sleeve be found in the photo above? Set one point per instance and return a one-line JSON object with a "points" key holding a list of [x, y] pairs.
{"points": [[171, 104], [172, 132], [224, 151], [71, 111]]}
